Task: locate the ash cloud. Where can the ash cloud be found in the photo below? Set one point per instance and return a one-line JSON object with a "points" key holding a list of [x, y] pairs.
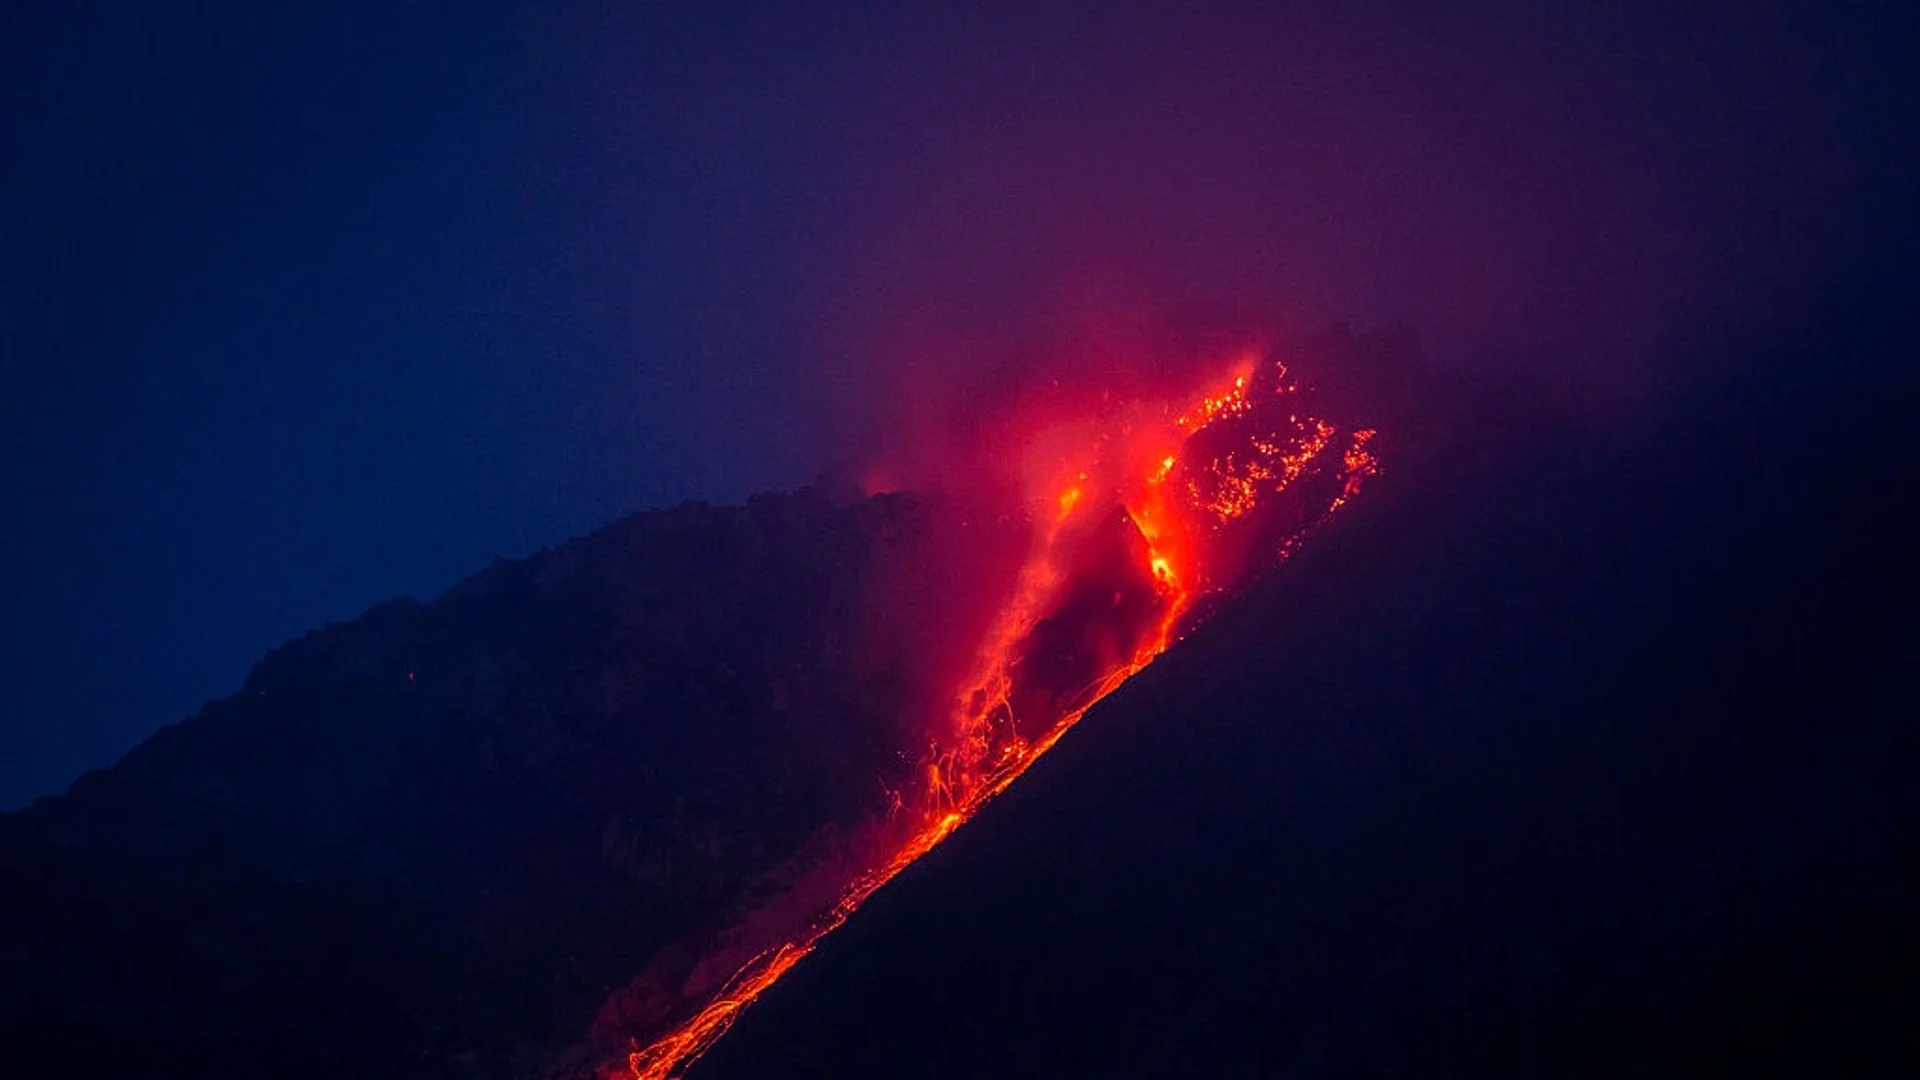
{"points": [[1580, 196]]}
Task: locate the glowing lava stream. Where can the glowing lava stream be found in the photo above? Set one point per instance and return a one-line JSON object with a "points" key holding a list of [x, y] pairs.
{"points": [[680, 1047], [986, 754], [683, 1045]]}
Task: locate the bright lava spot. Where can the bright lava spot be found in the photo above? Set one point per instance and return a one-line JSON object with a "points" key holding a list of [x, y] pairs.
{"points": [[1119, 552]]}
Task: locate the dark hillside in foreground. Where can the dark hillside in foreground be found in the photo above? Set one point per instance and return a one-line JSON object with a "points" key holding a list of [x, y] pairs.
{"points": [[1538, 764], [431, 841]]}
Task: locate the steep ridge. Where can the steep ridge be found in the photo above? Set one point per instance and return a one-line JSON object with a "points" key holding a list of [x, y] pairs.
{"points": [[1551, 760], [432, 840]]}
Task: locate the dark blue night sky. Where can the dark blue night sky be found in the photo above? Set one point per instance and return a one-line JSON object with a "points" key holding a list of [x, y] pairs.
{"points": [[306, 306]]}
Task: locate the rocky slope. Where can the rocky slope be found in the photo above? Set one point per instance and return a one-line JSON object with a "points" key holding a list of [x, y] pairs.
{"points": [[434, 839], [499, 832]]}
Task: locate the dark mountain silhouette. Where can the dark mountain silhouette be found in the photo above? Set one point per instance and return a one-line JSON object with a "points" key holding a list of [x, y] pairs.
{"points": [[433, 840], [1548, 760], [1546, 755]]}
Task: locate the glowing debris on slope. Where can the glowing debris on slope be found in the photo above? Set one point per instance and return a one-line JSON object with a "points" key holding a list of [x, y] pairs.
{"points": [[1201, 469]]}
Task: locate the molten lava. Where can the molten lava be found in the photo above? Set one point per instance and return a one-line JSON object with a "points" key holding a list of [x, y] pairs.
{"points": [[1155, 507]]}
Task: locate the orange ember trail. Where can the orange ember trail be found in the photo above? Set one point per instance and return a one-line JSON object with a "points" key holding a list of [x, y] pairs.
{"points": [[1179, 503]]}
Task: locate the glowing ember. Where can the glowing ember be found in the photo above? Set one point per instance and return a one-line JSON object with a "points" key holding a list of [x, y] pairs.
{"points": [[1360, 464], [1149, 516]]}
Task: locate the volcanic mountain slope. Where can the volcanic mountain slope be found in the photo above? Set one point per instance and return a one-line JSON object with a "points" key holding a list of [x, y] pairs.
{"points": [[1542, 762], [1443, 755], [577, 791], [433, 839]]}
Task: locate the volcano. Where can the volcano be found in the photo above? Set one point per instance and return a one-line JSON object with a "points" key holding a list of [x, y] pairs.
{"points": [[1312, 712], [580, 810]]}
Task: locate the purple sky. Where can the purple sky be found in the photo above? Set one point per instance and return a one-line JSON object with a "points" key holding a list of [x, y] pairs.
{"points": [[310, 306]]}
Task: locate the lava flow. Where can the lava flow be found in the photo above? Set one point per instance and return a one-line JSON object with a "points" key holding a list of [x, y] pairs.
{"points": [[1150, 508]]}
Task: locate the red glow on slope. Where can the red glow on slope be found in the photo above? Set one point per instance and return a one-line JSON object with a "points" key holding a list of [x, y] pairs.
{"points": [[1129, 524]]}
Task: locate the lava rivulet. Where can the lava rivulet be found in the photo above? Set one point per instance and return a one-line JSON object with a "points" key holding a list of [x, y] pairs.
{"points": [[1150, 507]]}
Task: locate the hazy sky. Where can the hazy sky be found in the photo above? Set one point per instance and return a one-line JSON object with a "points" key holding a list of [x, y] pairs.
{"points": [[305, 306]]}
